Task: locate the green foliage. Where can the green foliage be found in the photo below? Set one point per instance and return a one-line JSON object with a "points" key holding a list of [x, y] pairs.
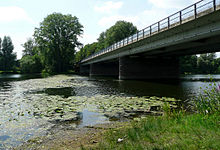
{"points": [[29, 47], [204, 64], [188, 132], [208, 102], [30, 64], [174, 130], [188, 64], [87, 50], [207, 63], [117, 32], [45, 73], [7, 57], [31, 60], [57, 38]]}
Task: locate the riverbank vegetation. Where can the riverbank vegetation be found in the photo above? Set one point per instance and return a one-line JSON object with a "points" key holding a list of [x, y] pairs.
{"points": [[199, 129], [203, 64]]}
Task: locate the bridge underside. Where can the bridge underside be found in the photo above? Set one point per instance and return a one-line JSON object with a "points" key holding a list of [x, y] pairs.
{"points": [[156, 56], [148, 68], [104, 69], [136, 67]]}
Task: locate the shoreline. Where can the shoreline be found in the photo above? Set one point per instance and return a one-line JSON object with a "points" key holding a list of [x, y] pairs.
{"points": [[89, 136]]}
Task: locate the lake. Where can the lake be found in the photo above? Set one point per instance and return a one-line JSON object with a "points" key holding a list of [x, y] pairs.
{"points": [[31, 106]]}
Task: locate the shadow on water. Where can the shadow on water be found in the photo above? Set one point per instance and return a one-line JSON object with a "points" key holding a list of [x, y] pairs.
{"points": [[63, 92], [160, 88], [183, 88]]}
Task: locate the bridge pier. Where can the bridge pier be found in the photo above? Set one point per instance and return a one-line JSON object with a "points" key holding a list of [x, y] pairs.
{"points": [[84, 69], [148, 68], [105, 69]]}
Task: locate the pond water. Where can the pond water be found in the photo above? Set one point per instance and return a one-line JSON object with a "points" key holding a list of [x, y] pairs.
{"points": [[31, 106]]}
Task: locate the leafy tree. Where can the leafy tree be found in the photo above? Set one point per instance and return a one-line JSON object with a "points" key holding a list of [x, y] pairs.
{"points": [[30, 64], [118, 32], [57, 38], [204, 64], [31, 59], [207, 63], [29, 47], [101, 40], [8, 58], [188, 64]]}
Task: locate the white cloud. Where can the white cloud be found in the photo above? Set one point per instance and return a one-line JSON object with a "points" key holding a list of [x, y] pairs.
{"points": [[159, 10], [88, 38], [148, 17], [140, 20], [108, 7], [168, 4], [111, 20], [13, 13]]}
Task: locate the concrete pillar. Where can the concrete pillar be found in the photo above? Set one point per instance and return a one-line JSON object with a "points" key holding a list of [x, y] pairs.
{"points": [[148, 68], [105, 69], [84, 69]]}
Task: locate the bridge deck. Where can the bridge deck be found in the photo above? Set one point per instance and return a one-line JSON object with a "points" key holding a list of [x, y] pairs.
{"points": [[189, 14]]}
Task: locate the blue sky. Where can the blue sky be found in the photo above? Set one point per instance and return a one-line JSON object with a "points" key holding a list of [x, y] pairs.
{"points": [[18, 18]]}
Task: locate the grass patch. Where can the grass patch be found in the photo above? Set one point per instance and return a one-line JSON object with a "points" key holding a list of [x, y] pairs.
{"points": [[185, 132], [173, 130]]}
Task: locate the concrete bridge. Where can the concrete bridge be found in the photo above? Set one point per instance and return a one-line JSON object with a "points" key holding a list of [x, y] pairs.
{"points": [[152, 53]]}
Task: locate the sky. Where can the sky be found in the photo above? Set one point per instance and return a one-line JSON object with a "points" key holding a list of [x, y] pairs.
{"points": [[19, 18]]}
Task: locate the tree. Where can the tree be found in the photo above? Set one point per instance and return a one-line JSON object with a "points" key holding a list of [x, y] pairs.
{"points": [[207, 63], [101, 40], [31, 59], [118, 32], [29, 47], [57, 38], [188, 64], [30, 64], [8, 58]]}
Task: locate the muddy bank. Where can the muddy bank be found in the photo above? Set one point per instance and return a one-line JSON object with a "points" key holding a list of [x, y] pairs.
{"points": [[88, 136]]}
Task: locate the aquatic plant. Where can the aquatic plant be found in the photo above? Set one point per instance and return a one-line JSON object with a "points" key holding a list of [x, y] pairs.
{"points": [[208, 101]]}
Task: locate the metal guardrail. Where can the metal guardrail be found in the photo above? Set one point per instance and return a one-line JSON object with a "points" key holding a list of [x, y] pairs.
{"points": [[187, 14]]}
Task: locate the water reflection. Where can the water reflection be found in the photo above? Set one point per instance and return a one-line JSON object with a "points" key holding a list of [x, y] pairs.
{"points": [[19, 96]]}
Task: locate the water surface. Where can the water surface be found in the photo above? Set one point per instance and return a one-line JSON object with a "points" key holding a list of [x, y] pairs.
{"points": [[31, 106]]}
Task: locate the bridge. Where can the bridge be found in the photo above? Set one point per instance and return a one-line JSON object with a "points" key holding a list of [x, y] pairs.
{"points": [[153, 53]]}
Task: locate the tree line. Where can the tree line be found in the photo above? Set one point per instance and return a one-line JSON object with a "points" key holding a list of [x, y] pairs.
{"points": [[203, 64], [52, 49]]}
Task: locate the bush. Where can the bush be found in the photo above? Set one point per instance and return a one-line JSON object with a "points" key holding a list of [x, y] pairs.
{"points": [[30, 64]]}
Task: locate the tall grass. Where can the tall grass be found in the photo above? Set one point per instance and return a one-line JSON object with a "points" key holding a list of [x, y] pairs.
{"points": [[208, 102], [174, 130]]}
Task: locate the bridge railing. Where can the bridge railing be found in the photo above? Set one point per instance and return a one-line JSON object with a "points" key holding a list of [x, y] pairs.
{"points": [[187, 14]]}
